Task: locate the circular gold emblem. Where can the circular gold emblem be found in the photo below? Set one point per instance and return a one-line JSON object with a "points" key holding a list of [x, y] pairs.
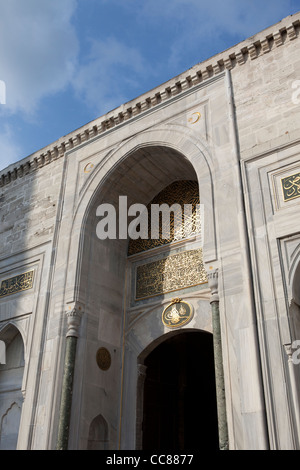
{"points": [[103, 358], [177, 314]]}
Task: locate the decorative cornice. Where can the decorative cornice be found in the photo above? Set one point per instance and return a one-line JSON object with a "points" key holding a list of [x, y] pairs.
{"points": [[250, 49]]}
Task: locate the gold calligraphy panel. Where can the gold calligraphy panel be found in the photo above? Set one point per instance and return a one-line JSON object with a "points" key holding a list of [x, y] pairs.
{"points": [[291, 187], [17, 284], [175, 272]]}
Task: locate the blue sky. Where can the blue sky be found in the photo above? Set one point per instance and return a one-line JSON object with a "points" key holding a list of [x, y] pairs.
{"points": [[67, 62]]}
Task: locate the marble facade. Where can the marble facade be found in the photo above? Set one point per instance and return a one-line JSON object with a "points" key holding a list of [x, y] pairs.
{"points": [[231, 123]]}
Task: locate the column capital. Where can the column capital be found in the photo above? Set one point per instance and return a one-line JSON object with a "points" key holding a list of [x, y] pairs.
{"points": [[289, 351], [212, 278], [74, 313]]}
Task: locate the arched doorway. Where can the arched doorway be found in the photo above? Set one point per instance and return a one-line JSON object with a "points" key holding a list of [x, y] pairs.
{"points": [[179, 406]]}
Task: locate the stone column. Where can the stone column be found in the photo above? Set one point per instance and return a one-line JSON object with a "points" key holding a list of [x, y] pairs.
{"points": [[219, 372], [141, 371], [73, 322]]}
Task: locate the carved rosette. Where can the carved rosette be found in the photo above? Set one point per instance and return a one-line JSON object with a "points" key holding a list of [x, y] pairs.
{"points": [[74, 314]]}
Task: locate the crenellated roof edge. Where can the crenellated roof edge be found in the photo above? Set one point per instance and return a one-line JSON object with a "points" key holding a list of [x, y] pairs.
{"points": [[252, 48]]}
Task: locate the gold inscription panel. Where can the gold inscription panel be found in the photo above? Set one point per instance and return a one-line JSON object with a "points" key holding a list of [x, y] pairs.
{"points": [[291, 187], [17, 284], [175, 272]]}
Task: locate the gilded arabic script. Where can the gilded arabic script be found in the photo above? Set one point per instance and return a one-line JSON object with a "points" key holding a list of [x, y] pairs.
{"points": [[178, 271], [291, 186], [16, 284], [183, 193], [177, 314]]}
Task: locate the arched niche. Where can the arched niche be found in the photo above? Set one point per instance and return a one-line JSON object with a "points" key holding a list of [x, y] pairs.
{"points": [[98, 434], [294, 306], [296, 285], [11, 377]]}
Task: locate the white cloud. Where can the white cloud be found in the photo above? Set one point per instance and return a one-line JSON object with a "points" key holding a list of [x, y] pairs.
{"points": [[112, 70], [186, 32], [9, 151], [201, 25], [238, 16], [39, 45], [38, 50]]}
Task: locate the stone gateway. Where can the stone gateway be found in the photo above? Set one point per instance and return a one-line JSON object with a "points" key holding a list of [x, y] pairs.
{"points": [[188, 341]]}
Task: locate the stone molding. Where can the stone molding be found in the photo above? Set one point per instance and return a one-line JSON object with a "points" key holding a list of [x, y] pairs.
{"points": [[229, 59]]}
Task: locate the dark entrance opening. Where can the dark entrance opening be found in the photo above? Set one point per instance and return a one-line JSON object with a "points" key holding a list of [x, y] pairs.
{"points": [[180, 410]]}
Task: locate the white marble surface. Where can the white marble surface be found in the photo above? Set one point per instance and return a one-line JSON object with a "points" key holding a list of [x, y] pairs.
{"points": [[48, 224]]}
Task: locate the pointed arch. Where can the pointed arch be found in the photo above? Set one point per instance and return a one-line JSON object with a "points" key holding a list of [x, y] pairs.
{"points": [[177, 140], [11, 377], [9, 330], [98, 434]]}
